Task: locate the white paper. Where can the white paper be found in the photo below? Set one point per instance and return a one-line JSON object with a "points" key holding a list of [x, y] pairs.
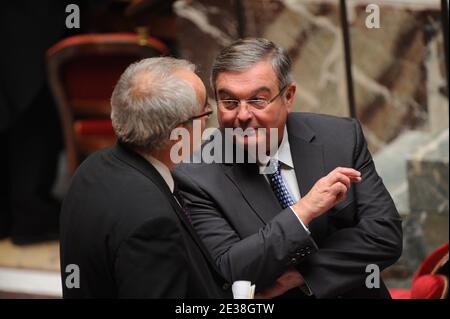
{"points": [[243, 289]]}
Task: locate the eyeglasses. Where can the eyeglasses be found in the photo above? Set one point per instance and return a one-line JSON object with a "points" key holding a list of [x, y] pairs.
{"points": [[206, 114], [256, 104]]}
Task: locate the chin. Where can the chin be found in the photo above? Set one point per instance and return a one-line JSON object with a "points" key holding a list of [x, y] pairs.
{"points": [[247, 140], [251, 141]]}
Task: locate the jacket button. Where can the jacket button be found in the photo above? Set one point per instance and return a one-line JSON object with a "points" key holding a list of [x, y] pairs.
{"points": [[226, 286], [293, 261]]}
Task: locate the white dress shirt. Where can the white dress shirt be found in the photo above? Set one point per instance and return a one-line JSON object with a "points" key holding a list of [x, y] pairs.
{"points": [[163, 170], [290, 179], [287, 171]]}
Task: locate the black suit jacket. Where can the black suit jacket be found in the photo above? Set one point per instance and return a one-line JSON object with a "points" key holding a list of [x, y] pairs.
{"points": [[122, 226], [251, 238]]}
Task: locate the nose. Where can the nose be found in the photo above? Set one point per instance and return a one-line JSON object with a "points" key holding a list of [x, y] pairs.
{"points": [[244, 115]]}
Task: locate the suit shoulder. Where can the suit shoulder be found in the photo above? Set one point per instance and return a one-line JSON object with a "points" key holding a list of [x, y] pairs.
{"points": [[330, 130], [328, 125], [316, 119], [104, 185]]}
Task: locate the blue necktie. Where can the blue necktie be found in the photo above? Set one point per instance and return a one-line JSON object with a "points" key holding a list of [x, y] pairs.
{"points": [[278, 185]]}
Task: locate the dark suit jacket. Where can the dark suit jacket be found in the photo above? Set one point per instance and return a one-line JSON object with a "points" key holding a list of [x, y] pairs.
{"points": [[122, 226], [251, 238]]}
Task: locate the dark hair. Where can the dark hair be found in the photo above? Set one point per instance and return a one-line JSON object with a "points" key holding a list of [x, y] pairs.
{"points": [[244, 53]]}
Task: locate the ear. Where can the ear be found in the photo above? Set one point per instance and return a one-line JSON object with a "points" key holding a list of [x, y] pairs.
{"points": [[182, 125], [179, 129], [290, 95]]}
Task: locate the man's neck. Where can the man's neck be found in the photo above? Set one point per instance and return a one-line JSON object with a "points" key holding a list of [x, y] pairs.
{"points": [[161, 162], [162, 155], [274, 148]]}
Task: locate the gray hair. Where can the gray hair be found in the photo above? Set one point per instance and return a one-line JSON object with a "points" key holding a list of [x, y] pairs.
{"points": [[149, 101], [244, 53]]}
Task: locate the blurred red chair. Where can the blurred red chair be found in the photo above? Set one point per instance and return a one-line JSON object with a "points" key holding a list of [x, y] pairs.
{"points": [[83, 71], [431, 279]]}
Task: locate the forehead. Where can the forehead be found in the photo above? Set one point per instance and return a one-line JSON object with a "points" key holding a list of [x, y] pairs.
{"points": [[259, 75]]}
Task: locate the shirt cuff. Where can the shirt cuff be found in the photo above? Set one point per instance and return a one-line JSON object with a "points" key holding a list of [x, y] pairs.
{"points": [[304, 226]]}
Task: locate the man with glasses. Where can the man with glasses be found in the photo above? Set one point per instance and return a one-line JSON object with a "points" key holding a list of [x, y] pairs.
{"points": [[312, 224], [121, 224]]}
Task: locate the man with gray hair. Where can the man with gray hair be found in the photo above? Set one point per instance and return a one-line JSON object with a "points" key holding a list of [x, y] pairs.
{"points": [[123, 232], [318, 218]]}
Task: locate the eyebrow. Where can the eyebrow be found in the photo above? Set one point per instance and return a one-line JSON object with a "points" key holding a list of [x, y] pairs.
{"points": [[254, 92]]}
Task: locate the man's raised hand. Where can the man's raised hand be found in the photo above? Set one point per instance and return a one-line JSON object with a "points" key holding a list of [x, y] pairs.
{"points": [[326, 193]]}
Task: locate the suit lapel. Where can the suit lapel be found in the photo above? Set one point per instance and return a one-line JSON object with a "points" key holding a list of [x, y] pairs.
{"points": [[307, 157], [308, 160], [255, 189], [188, 226]]}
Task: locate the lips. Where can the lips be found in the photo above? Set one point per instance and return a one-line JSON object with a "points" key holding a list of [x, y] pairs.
{"points": [[248, 132]]}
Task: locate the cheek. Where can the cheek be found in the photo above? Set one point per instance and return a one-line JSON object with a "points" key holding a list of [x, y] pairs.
{"points": [[270, 119], [225, 119], [280, 117]]}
